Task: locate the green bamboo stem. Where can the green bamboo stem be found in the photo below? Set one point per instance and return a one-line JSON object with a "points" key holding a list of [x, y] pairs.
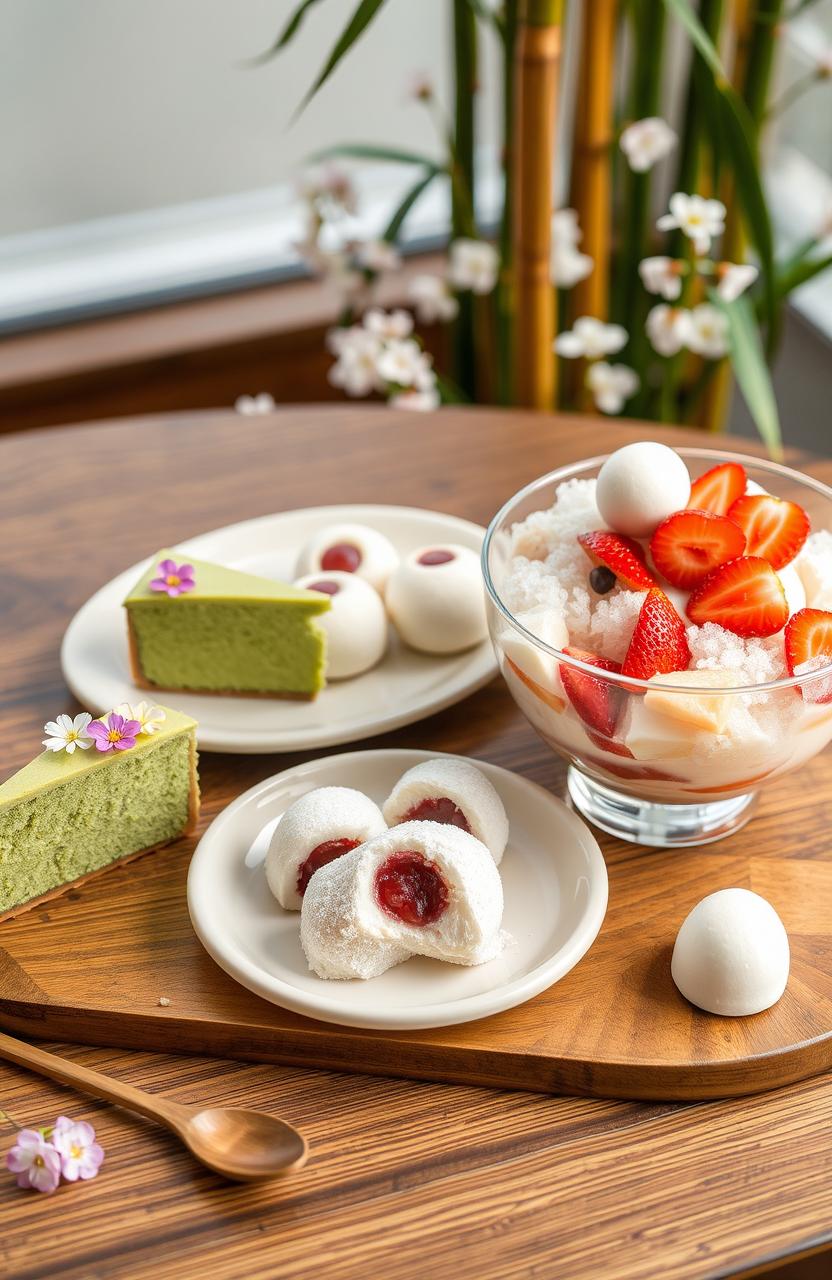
{"points": [[504, 292], [688, 176], [465, 65]]}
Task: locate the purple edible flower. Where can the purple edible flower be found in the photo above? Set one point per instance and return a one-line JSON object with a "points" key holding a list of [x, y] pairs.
{"points": [[35, 1161], [117, 733], [81, 1156], [173, 579]]}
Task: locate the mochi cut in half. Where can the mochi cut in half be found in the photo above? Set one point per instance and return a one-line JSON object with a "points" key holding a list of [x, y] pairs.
{"points": [[454, 792]]}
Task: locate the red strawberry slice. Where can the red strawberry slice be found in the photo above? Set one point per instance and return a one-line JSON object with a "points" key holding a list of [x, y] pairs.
{"points": [[688, 545], [622, 555], [608, 744], [744, 596], [774, 528], [718, 488], [808, 636], [597, 702], [659, 643]]}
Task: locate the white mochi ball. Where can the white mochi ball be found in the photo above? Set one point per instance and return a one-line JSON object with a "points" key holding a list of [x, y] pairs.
{"points": [[355, 624], [732, 954], [436, 599], [350, 548], [640, 485]]}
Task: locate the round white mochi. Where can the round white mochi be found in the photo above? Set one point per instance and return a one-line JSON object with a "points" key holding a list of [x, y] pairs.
{"points": [[438, 608], [346, 933], [378, 556], [465, 786], [327, 813], [732, 954], [355, 623], [640, 485]]}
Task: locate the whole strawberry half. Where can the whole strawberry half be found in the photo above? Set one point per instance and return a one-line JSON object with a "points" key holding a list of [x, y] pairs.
{"points": [[689, 544], [744, 596], [659, 643], [808, 639], [622, 556], [718, 488], [774, 528], [597, 702]]}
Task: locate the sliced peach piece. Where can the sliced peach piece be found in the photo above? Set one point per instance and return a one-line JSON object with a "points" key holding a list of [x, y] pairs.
{"points": [[700, 710]]}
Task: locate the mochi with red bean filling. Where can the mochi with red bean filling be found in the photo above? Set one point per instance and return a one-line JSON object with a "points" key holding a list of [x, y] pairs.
{"points": [[437, 601], [355, 624], [453, 792], [350, 548], [322, 825], [420, 889]]}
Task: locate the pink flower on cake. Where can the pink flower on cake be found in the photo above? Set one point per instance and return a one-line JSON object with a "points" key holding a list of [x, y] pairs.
{"points": [[80, 1154], [65, 734], [117, 733], [35, 1161], [173, 578]]}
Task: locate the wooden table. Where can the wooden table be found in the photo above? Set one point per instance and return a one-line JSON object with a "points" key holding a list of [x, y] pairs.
{"points": [[406, 1180]]}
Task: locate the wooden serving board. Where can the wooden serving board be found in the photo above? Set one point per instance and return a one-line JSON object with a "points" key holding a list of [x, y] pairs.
{"points": [[93, 966]]}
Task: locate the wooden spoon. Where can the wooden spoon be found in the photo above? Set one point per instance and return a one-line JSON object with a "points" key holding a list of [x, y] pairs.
{"points": [[242, 1145]]}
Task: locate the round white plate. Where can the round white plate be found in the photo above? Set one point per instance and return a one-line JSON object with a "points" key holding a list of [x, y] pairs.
{"points": [[404, 687], [554, 881]]}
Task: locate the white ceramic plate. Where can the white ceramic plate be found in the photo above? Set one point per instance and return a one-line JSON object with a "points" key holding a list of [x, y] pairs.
{"points": [[404, 687], [554, 881]]}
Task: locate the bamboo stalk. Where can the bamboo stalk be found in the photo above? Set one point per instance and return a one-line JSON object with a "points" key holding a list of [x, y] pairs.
{"points": [[591, 192], [462, 206], [537, 69], [504, 291]]}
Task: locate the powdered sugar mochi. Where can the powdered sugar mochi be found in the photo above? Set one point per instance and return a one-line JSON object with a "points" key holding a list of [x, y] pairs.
{"points": [[451, 791]]}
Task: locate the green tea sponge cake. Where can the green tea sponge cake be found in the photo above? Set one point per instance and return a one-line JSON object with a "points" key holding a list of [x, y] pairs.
{"points": [[203, 627], [103, 791]]}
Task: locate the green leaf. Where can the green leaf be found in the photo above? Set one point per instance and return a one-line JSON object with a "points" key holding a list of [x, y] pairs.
{"points": [[684, 12], [368, 151], [357, 25], [799, 273], [492, 17], [449, 392], [287, 34], [751, 370], [395, 224]]}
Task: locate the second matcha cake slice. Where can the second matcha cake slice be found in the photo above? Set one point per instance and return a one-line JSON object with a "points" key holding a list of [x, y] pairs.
{"points": [[203, 627]]}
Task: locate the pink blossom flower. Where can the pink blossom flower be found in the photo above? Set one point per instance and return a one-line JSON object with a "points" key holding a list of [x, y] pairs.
{"points": [[35, 1161], [174, 578], [117, 733], [80, 1154]]}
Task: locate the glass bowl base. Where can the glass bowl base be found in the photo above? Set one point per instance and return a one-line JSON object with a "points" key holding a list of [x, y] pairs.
{"points": [[662, 826]]}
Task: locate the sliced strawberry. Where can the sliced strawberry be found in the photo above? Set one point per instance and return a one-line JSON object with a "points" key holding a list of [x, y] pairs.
{"points": [[774, 528], [808, 638], [718, 488], [622, 556], [688, 545], [597, 702], [744, 596], [659, 643], [608, 744]]}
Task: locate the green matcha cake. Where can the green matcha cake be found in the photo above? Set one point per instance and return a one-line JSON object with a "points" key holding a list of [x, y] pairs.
{"points": [[205, 628], [103, 791]]}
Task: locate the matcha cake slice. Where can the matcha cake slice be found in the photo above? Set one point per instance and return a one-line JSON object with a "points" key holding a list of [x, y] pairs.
{"points": [[202, 627], [71, 813]]}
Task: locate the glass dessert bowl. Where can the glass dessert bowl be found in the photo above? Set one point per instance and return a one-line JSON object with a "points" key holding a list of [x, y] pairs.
{"points": [[672, 703]]}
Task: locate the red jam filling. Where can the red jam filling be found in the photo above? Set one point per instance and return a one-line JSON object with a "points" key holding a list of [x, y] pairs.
{"points": [[320, 856], [439, 556], [411, 889], [437, 809], [343, 556], [329, 588]]}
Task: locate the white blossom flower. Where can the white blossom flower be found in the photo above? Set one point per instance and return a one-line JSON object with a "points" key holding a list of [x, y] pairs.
{"points": [[419, 401], [473, 265], [149, 717], [591, 338], [65, 734], [668, 329], [733, 278], [432, 299], [403, 363], [388, 324], [568, 264], [611, 385], [250, 406], [356, 369], [700, 219], [377, 256], [662, 276], [708, 331], [647, 141]]}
